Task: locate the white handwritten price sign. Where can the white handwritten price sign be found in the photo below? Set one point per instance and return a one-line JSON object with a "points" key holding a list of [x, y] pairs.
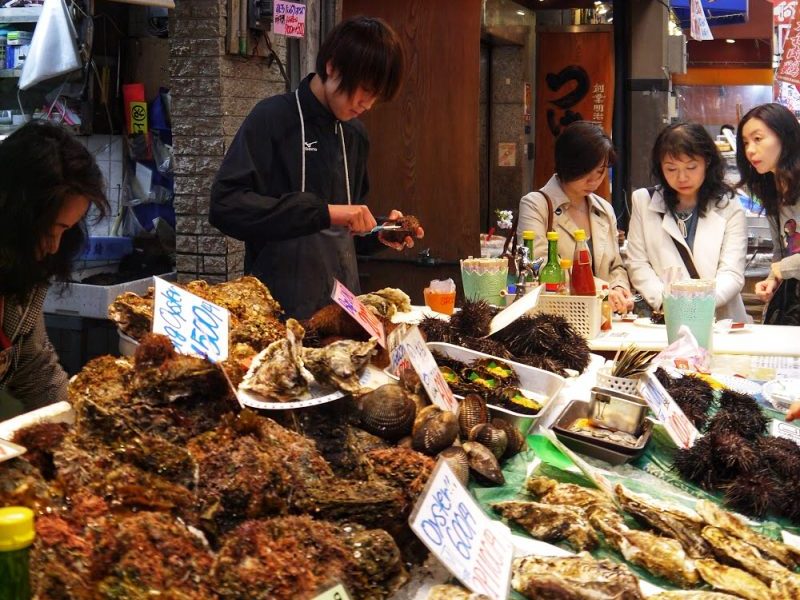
{"points": [[194, 325], [397, 353], [784, 430], [335, 593], [451, 524], [356, 309], [9, 450], [666, 410], [414, 350], [289, 18], [594, 475]]}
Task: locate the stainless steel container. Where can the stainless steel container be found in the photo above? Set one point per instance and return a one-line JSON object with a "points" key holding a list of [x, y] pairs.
{"points": [[617, 410]]}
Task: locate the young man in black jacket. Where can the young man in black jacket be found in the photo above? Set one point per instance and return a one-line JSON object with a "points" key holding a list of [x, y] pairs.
{"points": [[293, 183]]}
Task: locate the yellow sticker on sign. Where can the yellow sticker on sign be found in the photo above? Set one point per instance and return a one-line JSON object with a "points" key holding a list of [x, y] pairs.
{"points": [[138, 117]]}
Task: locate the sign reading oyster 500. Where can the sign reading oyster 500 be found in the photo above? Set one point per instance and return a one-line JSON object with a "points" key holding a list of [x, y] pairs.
{"points": [[194, 325]]}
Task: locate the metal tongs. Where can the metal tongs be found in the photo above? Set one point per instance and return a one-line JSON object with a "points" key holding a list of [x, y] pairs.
{"points": [[382, 227]]}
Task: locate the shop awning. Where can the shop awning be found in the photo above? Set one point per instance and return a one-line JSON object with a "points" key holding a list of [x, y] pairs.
{"points": [[718, 12]]}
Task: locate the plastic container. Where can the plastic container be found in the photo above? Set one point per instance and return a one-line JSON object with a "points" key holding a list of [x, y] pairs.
{"points": [[16, 536], [583, 313], [619, 384]]}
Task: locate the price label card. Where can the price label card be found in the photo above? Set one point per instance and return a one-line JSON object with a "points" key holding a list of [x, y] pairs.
{"points": [[9, 450], [594, 475], [335, 593], [452, 525], [194, 325], [397, 354], [666, 410], [784, 430], [356, 309], [414, 350]]}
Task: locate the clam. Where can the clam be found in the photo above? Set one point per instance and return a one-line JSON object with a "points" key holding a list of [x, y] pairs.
{"points": [[493, 438], [483, 463], [434, 430], [387, 412], [472, 411], [516, 441], [457, 460]]}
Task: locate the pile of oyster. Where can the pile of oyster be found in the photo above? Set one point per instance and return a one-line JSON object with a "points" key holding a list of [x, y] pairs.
{"points": [[689, 548], [164, 487]]}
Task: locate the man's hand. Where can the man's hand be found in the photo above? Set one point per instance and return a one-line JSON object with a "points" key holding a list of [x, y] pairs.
{"points": [[406, 243], [766, 289], [620, 300], [356, 217], [794, 412]]}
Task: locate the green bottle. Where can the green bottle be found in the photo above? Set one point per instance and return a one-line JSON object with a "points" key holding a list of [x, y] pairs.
{"points": [[527, 239], [550, 274], [16, 536]]}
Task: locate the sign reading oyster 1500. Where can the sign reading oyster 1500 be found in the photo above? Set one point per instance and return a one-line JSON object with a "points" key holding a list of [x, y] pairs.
{"points": [[194, 325]]}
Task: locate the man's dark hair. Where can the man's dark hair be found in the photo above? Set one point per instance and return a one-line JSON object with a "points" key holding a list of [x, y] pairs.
{"points": [[41, 166], [779, 188], [692, 140], [580, 149], [367, 53]]}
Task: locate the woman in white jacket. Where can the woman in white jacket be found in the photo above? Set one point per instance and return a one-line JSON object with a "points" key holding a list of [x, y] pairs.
{"points": [[690, 221]]}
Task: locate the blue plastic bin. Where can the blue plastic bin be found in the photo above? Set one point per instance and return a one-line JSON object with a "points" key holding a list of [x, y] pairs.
{"points": [[106, 248]]}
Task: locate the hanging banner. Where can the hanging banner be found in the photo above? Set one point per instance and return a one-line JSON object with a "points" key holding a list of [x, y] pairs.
{"points": [[699, 29], [574, 82], [789, 67]]}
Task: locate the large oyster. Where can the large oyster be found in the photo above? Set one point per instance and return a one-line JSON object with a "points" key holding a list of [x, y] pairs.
{"points": [[278, 372], [133, 314], [386, 302], [730, 579], [578, 577], [551, 491], [550, 522], [246, 298], [453, 592], [733, 550], [340, 363], [691, 595]]}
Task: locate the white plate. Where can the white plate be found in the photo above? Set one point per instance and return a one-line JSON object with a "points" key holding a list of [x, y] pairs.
{"points": [[646, 322], [782, 393]]}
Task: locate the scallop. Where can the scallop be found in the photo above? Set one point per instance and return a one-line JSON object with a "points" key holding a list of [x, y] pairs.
{"points": [[472, 411], [483, 463], [493, 438], [434, 430], [388, 412], [516, 441], [457, 460]]}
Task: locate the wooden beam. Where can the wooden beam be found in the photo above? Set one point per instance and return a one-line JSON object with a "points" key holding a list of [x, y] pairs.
{"points": [[701, 76]]}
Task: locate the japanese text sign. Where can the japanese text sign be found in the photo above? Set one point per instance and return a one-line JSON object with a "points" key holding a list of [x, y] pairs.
{"points": [[289, 19], [194, 325], [414, 350], [699, 29], [473, 547], [356, 309], [789, 68], [784, 430], [666, 410]]}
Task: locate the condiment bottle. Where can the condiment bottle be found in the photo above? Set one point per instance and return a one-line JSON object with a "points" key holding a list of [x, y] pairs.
{"points": [[566, 266], [550, 273], [527, 239], [16, 536], [582, 275], [605, 311]]}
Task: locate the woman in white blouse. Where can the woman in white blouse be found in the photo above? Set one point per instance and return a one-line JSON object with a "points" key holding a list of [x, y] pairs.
{"points": [[689, 222]]}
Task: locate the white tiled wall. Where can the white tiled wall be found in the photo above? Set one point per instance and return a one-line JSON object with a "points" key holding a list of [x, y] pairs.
{"points": [[107, 151]]}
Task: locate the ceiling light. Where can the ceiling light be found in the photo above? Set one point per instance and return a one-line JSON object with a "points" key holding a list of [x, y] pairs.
{"points": [[730, 41], [521, 13]]}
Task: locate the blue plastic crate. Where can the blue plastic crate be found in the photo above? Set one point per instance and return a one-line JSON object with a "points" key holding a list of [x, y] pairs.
{"points": [[106, 248]]}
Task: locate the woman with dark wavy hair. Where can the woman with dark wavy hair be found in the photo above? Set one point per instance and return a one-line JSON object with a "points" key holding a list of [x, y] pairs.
{"points": [[48, 181], [768, 157], [689, 223]]}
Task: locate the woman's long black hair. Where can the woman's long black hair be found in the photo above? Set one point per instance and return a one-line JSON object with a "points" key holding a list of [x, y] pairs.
{"points": [[41, 166], [692, 140], [780, 188]]}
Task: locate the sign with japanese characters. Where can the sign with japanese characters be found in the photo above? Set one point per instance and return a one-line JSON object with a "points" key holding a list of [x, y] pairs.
{"points": [[699, 29], [472, 547], [789, 68], [414, 351], [289, 19], [575, 82], [678, 426], [784, 430], [195, 326], [356, 309]]}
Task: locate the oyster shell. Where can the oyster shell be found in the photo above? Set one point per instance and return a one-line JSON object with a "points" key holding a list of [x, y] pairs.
{"points": [[340, 363], [551, 491], [453, 592], [472, 411], [730, 579], [133, 314], [733, 550], [388, 412], [457, 460], [398, 298], [578, 577], [551, 522], [434, 430], [691, 595], [408, 225], [493, 438], [484, 463], [278, 372]]}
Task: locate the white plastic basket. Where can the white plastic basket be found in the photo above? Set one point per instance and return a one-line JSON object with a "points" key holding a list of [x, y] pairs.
{"points": [[582, 312], [621, 384]]}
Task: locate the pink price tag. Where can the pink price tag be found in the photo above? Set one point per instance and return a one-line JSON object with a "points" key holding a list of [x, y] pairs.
{"points": [[356, 309]]}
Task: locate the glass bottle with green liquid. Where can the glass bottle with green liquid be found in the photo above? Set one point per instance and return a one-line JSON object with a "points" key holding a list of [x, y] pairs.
{"points": [[550, 274], [527, 239], [16, 537]]}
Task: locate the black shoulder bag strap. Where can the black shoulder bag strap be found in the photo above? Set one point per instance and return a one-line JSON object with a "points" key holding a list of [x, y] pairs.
{"points": [[682, 250]]}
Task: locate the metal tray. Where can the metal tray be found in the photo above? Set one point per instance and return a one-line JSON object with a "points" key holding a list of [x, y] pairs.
{"points": [[617, 410], [602, 449]]}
